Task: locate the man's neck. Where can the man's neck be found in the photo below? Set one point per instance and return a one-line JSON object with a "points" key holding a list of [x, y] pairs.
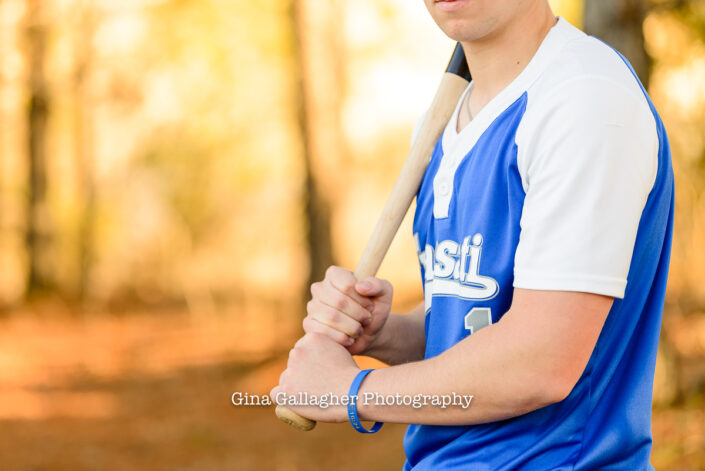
{"points": [[498, 59]]}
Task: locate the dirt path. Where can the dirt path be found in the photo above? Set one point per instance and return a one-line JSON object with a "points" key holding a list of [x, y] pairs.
{"points": [[152, 392]]}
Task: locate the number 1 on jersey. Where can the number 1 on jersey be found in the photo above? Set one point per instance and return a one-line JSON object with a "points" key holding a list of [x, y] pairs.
{"points": [[477, 318]]}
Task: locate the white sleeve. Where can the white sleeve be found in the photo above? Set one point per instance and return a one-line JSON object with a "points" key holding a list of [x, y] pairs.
{"points": [[588, 156]]}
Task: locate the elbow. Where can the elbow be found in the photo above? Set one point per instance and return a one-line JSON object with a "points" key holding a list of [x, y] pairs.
{"points": [[558, 385], [561, 390], [556, 374], [541, 389], [549, 379]]}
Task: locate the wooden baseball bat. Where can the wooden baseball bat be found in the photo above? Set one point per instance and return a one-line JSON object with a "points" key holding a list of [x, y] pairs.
{"points": [[453, 83]]}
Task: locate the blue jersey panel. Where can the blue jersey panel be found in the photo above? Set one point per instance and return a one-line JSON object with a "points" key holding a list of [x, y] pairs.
{"points": [[472, 250], [605, 422]]}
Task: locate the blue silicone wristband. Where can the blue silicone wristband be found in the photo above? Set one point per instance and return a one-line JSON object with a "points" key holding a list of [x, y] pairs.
{"points": [[352, 405]]}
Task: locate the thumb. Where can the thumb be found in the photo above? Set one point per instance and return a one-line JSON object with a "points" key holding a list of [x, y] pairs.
{"points": [[370, 287]]}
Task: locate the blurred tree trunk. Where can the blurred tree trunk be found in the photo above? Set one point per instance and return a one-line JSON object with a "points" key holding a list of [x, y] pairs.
{"points": [[83, 133], [38, 224], [619, 24], [318, 73]]}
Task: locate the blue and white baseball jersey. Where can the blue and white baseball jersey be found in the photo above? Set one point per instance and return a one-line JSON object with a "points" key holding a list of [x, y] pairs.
{"points": [[562, 182]]}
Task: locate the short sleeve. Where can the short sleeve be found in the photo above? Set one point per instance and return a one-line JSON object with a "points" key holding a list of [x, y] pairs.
{"points": [[588, 156]]}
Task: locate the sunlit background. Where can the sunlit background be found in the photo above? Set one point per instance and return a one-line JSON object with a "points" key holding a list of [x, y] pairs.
{"points": [[174, 173]]}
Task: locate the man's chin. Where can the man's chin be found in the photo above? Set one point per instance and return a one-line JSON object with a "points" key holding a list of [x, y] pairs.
{"points": [[467, 29], [462, 31]]}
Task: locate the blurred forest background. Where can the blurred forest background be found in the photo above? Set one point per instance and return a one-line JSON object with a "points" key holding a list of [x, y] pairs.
{"points": [[174, 173]]}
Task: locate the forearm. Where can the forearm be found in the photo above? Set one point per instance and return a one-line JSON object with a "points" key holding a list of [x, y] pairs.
{"points": [[498, 366], [402, 339], [531, 358]]}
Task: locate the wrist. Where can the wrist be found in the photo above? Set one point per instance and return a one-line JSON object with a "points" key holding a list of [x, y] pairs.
{"points": [[363, 408], [354, 408], [347, 379]]}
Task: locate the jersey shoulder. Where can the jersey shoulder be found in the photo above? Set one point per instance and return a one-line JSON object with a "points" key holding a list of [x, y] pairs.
{"points": [[591, 62], [585, 89]]}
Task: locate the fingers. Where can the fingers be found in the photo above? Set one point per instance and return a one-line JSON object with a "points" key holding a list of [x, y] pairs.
{"points": [[312, 325], [373, 287], [335, 319], [330, 296], [344, 281], [341, 307]]}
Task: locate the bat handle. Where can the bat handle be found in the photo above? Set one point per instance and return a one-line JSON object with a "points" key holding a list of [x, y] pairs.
{"points": [[297, 421], [454, 81]]}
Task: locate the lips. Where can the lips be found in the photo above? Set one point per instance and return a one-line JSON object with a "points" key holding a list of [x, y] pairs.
{"points": [[451, 5]]}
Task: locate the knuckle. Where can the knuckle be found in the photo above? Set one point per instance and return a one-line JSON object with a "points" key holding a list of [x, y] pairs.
{"points": [[334, 317], [340, 302], [299, 343]]}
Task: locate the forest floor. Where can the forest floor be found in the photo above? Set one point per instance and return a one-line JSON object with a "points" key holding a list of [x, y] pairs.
{"points": [[152, 391]]}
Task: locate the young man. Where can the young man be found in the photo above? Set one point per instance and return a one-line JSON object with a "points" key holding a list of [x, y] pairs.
{"points": [[543, 226]]}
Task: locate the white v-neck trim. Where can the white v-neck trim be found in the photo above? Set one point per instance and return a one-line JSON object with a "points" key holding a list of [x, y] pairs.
{"points": [[456, 113], [458, 144]]}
